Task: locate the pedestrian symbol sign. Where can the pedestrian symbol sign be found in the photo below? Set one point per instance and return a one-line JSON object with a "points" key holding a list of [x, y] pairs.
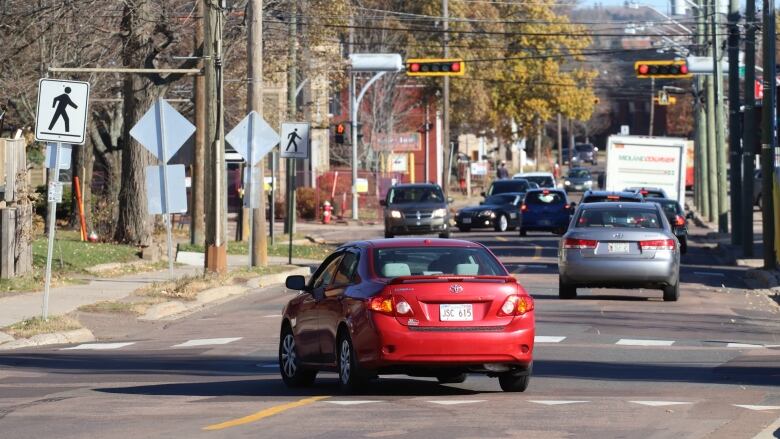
{"points": [[295, 140], [62, 111]]}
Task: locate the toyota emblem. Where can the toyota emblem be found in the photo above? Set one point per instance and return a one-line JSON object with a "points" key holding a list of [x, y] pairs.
{"points": [[456, 289]]}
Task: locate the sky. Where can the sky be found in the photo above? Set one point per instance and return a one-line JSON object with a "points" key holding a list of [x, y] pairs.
{"points": [[661, 5]]}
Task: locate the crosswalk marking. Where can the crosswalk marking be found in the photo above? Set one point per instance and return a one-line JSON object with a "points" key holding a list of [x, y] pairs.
{"points": [[548, 339], [358, 402], [758, 407], [556, 402], [206, 342], [660, 403], [99, 346], [269, 366], [633, 342], [271, 316], [744, 345], [457, 401]]}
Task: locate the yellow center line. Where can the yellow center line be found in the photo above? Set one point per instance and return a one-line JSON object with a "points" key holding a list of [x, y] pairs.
{"points": [[537, 252], [271, 411], [501, 238]]}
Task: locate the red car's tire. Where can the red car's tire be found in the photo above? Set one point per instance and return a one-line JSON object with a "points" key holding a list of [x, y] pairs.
{"points": [[514, 382], [351, 376], [293, 374]]}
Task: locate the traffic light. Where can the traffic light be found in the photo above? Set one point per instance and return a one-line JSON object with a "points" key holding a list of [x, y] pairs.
{"points": [[340, 134], [662, 69], [435, 67]]}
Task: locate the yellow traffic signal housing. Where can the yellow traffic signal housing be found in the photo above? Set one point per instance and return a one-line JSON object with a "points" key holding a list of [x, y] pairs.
{"points": [[671, 101], [435, 67], [662, 69]]}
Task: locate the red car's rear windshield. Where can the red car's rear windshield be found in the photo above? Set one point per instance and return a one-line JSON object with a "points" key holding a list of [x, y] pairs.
{"points": [[433, 261]]}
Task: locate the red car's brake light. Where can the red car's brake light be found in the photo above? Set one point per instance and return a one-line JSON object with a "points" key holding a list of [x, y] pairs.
{"points": [[580, 243], [679, 221], [392, 306], [657, 244], [516, 306]]}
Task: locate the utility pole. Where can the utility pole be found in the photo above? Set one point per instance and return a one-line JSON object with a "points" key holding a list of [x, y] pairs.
{"points": [[259, 253], [292, 84], [197, 237], [712, 162], [769, 134], [652, 106], [735, 139], [749, 130], [216, 200], [720, 123], [702, 183], [446, 103], [560, 144], [571, 141]]}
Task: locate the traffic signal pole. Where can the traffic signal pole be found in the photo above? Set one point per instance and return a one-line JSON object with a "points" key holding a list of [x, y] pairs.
{"points": [[768, 134], [749, 130], [735, 144], [721, 183]]}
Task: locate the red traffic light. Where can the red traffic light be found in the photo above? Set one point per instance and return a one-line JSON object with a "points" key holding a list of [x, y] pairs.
{"points": [[643, 69], [455, 67], [414, 67], [684, 69], [340, 128]]}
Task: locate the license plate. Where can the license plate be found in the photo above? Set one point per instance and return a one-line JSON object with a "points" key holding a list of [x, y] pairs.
{"points": [[617, 247], [466, 220], [545, 222], [456, 313]]}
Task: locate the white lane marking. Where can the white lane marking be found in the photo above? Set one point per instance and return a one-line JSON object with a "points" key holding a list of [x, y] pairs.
{"points": [[268, 365], [709, 273], [548, 339], [660, 403], [633, 342], [99, 346], [351, 402], [532, 266], [270, 316], [206, 342], [557, 402], [457, 401], [744, 345], [758, 407]]}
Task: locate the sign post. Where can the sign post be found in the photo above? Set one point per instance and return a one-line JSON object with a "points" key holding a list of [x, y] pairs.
{"points": [[295, 145], [253, 138], [61, 116], [162, 130]]}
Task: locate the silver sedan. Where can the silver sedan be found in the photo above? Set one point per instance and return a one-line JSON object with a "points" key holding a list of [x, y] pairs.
{"points": [[619, 245]]}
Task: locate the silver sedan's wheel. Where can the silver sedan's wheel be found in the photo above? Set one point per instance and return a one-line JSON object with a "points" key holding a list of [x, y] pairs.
{"points": [[293, 374], [502, 224]]}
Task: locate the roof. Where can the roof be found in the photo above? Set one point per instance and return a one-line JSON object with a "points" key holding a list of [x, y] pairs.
{"points": [[413, 242], [619, 205], [533, 174], [545, 189], [620, 193], [415, 185]]}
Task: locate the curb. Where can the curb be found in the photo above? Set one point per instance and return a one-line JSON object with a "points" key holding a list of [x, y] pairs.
{"points": [[177, 309], [83, 335]]}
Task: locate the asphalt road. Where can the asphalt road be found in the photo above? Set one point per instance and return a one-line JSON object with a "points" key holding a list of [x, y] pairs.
{"points": [[612, 363]]}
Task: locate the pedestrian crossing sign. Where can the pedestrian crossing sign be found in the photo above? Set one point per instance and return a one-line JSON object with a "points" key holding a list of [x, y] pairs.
{"points": [[62, 111], [295, 140]]}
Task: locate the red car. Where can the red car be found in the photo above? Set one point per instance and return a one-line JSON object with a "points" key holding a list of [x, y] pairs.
{"points": [[423, 307]]}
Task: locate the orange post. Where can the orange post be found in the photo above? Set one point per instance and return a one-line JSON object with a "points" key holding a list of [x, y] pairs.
{"points": [[80, 202]]}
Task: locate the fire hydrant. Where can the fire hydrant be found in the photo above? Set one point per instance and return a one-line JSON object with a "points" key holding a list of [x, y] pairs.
{"points": [[327, 210]]}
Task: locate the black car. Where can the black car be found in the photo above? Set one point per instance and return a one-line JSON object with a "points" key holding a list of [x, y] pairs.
{"points": [[584, 153], [502, 212], [601, 196], [578, 179], [677, 219], [648, 192], [506, 186], [416, 209]]}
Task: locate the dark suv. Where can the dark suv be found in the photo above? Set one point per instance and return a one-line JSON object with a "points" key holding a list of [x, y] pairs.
{"points": [[416, 209], [584, 153]]}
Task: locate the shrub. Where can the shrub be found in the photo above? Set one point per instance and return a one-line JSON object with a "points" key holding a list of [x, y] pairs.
{"points": [[307, 201]]}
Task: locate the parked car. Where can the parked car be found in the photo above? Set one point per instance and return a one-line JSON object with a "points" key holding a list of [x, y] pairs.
{"points": [[439, 308], [647, 192], [578, 180], [619, 245], [545, 210], [501, 212], [505, 186], [601, 196], [543, 179], [584, 153], [676, 217], [416, 209]]}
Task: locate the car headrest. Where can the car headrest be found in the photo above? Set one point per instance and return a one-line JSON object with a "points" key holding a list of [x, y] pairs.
{"points": [[467, 269], [395, 270]]}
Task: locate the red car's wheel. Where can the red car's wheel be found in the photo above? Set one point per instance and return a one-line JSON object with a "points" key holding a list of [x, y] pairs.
{"points": [[293, 374], [351, 377], [514, 382]]}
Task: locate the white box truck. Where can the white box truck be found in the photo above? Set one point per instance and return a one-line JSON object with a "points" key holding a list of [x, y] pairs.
{"points": [[642, 161]]}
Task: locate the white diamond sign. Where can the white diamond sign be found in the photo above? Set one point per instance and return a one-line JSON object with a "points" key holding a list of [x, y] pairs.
{"points": [[253, 138], [162, 130]]}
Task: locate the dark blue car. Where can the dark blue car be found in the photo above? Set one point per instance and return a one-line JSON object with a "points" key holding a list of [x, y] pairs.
{"points": [[545, 210]]}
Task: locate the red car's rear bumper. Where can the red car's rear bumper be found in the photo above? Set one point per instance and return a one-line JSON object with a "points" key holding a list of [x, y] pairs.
{"points": [[394, 344]]}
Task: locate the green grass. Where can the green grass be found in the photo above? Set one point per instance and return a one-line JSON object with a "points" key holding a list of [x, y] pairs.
{"points": [[71, 255], [110, 307], [308, 251], [34, 326]]}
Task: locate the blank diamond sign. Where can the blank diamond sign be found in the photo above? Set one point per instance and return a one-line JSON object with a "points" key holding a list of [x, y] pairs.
{"points": [[162, 130]]}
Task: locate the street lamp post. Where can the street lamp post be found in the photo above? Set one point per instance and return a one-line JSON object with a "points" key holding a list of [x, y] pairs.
{"points": [[379, 64]]}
